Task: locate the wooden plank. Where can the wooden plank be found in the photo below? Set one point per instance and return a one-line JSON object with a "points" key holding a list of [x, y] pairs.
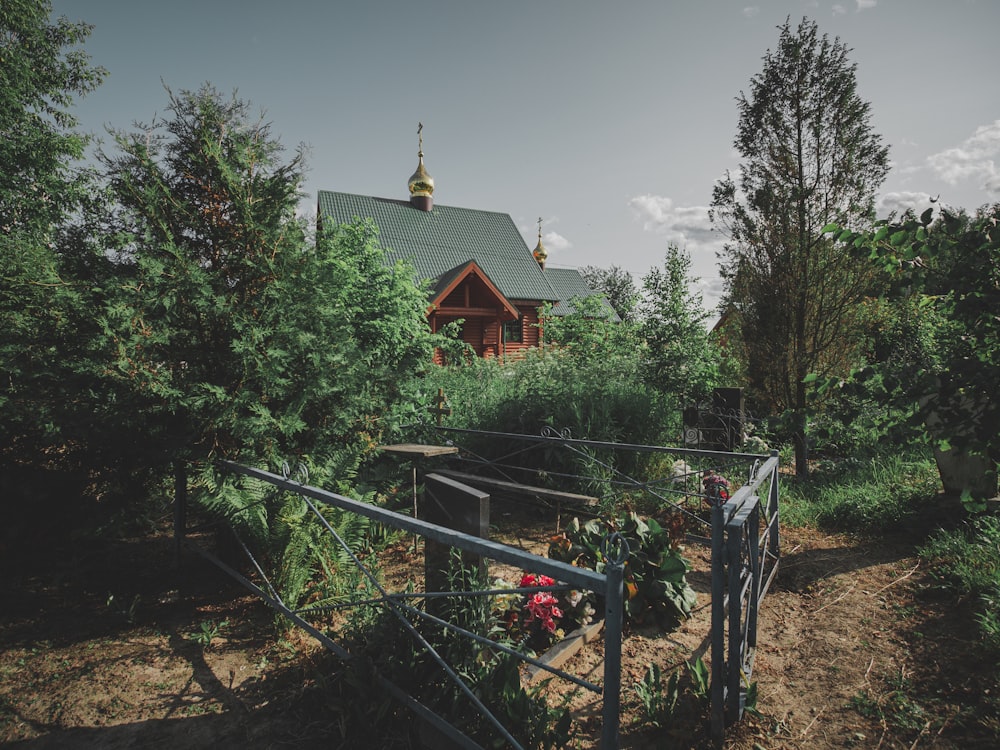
{"points": [[414, 450], [521, 489]]}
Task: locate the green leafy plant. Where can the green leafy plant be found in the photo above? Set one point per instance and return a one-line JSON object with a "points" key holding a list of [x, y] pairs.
{"points": [[658, 700], [208, 630], [655, 571], [701, 680]]}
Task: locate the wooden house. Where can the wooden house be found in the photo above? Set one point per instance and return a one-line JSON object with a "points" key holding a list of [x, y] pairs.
{"points": [[476, 264]]}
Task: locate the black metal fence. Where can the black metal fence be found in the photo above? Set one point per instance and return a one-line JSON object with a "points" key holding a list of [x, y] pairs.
{"points": [[743, 534]]}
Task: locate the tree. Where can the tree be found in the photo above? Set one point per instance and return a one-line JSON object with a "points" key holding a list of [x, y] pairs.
{"points": [[46, 308], [680, 358], [810, 157], [617, 286], [234, 335], [949, 270]]}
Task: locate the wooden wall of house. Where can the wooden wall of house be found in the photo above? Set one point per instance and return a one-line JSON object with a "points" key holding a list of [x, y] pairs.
{"points": [[483, 335]]}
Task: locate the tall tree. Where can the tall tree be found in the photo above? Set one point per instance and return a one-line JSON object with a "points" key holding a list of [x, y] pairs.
{"points": [[617, 286], [680, 358], [43, 69], [234, 334], [809, 157]]}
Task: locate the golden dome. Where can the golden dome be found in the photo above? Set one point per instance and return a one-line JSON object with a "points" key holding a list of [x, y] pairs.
{"points": [[420, 182], [540, 252]]}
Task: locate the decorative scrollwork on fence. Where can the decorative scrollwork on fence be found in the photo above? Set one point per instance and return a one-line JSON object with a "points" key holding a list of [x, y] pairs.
{"points": [[299, 470], [554, 432]]}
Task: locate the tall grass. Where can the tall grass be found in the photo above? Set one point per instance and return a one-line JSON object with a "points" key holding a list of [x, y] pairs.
{"points": [[966, 561], [870, 495]]}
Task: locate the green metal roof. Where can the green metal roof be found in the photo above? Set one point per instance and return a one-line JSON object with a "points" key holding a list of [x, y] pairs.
{"points": [[438, 241], [568, 283]]}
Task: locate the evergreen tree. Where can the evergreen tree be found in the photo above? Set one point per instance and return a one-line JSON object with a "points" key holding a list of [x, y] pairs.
{"points": [[810, 157], [235, 336], [680, 358]]}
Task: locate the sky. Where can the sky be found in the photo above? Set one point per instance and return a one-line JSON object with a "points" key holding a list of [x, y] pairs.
{"points": [[609, 121]]}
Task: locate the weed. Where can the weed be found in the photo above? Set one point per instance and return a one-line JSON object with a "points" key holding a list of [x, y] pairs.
{"points": [[658, 702], [207, 632], [700, 678]]}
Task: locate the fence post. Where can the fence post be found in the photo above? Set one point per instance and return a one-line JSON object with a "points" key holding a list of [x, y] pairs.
{"points": [[616, 553], [717, 689]]}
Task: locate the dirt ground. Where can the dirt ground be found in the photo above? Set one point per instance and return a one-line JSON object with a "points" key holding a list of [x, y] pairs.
{"points": [[108, 645]]}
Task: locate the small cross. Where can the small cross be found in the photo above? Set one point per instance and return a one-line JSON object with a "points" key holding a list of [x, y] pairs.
{"points": [[440, 409]]}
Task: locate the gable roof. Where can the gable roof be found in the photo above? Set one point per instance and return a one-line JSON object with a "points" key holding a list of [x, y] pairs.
{"points": [[440, 241], [569, 283], [447, 283]]}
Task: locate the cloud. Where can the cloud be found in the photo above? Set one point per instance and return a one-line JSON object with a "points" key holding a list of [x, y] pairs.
{"points": [[689, 228], [972, 160], [684, 225], [839, 10], [554, 242], [751, 10], [866, 4], [898, 203]]}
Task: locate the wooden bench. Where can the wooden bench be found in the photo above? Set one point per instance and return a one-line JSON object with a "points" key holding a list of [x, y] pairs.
{"points": [[542, 493]]}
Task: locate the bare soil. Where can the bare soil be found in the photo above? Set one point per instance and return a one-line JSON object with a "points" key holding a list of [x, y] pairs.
{"points": [[109, 645]]}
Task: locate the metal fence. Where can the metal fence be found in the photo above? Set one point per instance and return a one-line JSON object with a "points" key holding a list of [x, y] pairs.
{"points": [[743, 534], [609, 585]]}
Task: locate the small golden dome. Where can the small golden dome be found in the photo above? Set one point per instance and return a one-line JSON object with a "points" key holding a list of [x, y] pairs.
{"points": [[540, 253], [420, 182]]}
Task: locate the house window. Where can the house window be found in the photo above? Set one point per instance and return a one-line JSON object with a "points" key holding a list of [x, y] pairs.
{"points": [[513, 331]]}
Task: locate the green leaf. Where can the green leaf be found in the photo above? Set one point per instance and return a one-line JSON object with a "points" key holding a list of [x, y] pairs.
{"points": [[810, 378], [832, 227], [972, 505], [926, 216]]}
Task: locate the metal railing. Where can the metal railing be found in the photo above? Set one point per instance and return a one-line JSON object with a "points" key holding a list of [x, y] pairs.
{"points": [[744, 539], [608, 585]]}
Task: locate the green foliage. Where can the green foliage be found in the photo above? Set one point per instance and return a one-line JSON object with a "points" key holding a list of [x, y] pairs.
{"points": [[618, 289], [46, 340], [43, 71], [948, 268], [233, 334], [658, 701], [680, 358], [809, 157], [208, 630], [966, 561], [594, 397], [877, 494], [701, 679], [303, 560], [655, 571], [384, 647]]}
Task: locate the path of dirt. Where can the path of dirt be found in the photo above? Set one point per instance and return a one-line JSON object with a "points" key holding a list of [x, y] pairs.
{"points": [[107, 646]]}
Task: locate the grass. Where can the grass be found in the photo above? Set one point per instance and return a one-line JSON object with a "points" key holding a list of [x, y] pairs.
{"points": [[966, 561], [872, 495]]}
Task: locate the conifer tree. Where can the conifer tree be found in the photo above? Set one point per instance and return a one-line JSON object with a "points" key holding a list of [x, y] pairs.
{"points": [[235, 334], [809, 157]]}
